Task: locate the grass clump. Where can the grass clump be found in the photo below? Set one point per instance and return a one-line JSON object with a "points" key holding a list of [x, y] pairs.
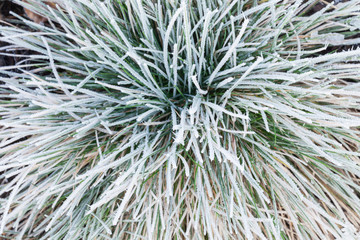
{"points": [[181, 120]]}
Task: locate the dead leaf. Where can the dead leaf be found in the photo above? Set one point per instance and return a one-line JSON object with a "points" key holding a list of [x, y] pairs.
{"points": [[36, 17]]}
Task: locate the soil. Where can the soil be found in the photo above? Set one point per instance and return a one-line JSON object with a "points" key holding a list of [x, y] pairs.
{"points": [[6, 7]]}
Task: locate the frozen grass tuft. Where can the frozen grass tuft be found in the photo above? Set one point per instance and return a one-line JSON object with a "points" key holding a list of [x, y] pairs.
{"points": [[182, 119]]}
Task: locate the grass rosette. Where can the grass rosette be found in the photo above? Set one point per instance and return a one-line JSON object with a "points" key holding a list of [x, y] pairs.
{"points": [[182, 120]]}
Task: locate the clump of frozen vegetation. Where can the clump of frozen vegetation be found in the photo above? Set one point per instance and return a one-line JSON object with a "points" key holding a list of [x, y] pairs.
{"points": [[182, 119]]}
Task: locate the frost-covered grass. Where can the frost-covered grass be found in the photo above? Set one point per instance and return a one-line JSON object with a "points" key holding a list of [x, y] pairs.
{"points": [[202, 119]]}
